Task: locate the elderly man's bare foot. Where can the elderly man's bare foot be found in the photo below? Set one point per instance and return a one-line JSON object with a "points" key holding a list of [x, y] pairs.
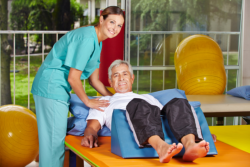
{"points": [[166, 151], [196, 150]]}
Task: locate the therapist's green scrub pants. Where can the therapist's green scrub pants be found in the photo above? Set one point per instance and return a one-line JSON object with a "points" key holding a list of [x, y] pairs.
{"points": [[52, 115]]}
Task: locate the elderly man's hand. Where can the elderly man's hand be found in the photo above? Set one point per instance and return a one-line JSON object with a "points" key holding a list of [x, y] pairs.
{"points": [[90, 141]]}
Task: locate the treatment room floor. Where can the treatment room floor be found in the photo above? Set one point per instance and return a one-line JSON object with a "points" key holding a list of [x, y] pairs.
{"points": [[36, 164]]}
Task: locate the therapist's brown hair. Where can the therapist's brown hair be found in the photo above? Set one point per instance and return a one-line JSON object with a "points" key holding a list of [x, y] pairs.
{"points": [[112, 10]]}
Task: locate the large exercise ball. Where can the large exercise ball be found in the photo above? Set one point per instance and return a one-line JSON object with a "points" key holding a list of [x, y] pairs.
{"points": [[18, 136], [199, 66]]}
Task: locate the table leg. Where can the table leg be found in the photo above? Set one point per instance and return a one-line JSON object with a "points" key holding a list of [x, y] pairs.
{"points": [[75, 160], [220, 121], [66, 159], [79, 162]]}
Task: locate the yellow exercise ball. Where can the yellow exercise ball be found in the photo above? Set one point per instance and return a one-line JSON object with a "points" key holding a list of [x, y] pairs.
{"points": [[199, 66], [18, 136]]}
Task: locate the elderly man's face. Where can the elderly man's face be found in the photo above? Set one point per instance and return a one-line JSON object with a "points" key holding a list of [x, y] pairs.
{"points": [[121, 79]]}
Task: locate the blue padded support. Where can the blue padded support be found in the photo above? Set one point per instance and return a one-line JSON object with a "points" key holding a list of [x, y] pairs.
{"points": [[123, 143]]}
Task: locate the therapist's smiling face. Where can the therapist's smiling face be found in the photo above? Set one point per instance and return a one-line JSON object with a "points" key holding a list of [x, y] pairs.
{"points": [[112, 25], [121, 79]]}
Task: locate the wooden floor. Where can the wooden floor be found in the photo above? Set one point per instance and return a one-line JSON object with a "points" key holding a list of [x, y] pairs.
{"points": [[33, 164], [36, 164]]}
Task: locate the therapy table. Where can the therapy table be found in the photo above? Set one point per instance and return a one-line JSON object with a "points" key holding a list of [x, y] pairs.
{"points": [[228, 155], [232, 145], [222, 105]]}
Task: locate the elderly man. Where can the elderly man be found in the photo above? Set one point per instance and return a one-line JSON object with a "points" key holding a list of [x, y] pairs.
{"points": [[143, 114]]}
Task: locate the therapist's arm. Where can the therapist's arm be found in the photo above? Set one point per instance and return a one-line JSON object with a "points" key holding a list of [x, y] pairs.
{"points": [[76, 84], [97, 84], [90, 134]]}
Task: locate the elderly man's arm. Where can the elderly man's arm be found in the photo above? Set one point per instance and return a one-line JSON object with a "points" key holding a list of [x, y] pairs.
{"points": [[90, 134]]}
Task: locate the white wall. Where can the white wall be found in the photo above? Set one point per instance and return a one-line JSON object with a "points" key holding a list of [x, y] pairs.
{"points": [[246, 44], [111, 2], [103, 4]]}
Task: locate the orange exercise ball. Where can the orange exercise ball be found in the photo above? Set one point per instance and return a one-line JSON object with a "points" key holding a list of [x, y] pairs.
{"points": [[18, 136], [199, 66]]}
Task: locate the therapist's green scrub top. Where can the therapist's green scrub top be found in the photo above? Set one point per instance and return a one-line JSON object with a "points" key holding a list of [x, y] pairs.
{"points": [[78, 49]]}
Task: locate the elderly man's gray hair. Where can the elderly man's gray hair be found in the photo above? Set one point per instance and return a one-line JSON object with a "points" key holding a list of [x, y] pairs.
{"points": [[117, 63]]}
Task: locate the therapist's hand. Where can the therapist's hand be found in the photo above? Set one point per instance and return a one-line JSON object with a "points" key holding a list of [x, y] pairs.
{"points": [[97, 103], [90, 141]]}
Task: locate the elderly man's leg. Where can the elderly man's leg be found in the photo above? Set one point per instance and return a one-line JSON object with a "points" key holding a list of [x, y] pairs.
{"points": [[194, 150], [164, 150], [145, 122], [184, 124]]}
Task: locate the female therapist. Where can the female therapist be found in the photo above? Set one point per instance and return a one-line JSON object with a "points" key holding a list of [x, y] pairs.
{"points": [[76, 56]]}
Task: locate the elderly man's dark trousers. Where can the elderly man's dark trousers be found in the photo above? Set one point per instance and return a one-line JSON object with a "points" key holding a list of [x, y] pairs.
{"points": [[145, 120]]}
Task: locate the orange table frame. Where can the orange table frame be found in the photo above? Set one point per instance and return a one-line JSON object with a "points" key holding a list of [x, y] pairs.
{"points": [[228, 156]]}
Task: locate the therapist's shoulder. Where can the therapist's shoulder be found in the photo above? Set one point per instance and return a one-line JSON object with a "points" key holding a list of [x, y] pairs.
{"points": [[82, 33]]}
